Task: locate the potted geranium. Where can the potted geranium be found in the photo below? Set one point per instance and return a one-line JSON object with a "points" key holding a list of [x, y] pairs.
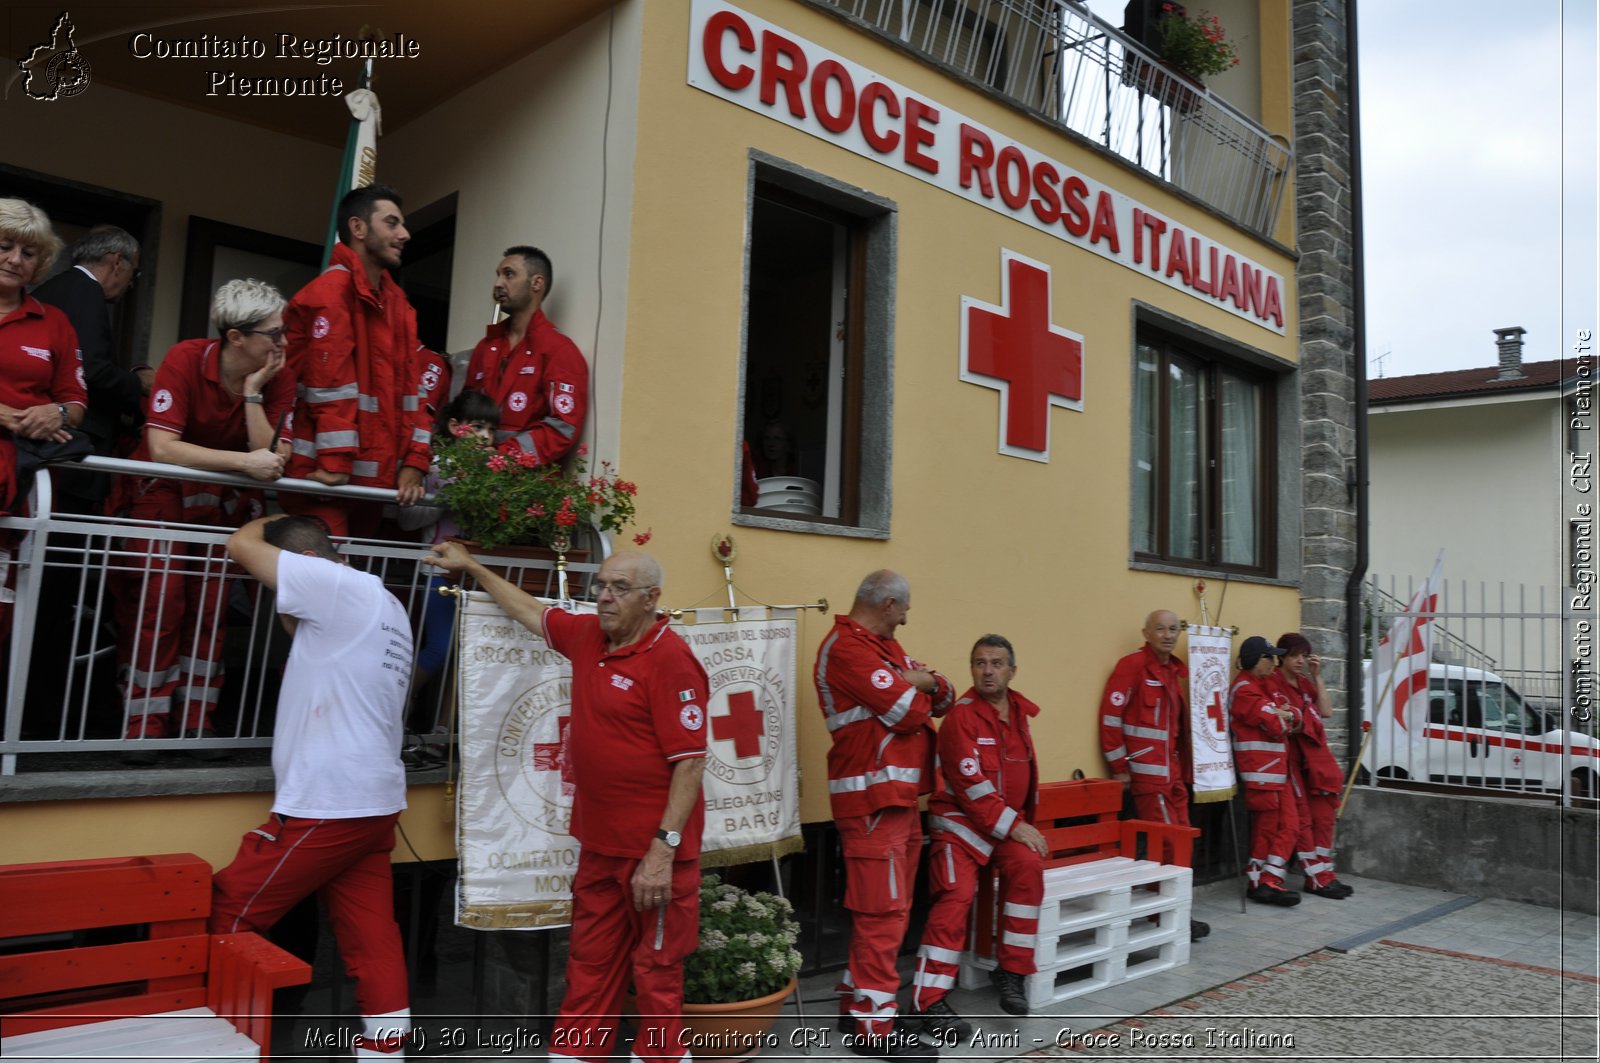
{"points": [[736, 981], [501, 496], [1196, 47]]}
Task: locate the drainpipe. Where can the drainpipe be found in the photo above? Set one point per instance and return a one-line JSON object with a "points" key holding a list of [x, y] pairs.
{"points": [[1355, 619]]}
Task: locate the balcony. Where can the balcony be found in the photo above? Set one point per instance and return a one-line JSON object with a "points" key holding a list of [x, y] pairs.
{"points": [[91, 590], [1056, 60]]}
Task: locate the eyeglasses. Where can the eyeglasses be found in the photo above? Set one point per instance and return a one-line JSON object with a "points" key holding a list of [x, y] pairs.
{"points": [[273, 334], [616, 590]]}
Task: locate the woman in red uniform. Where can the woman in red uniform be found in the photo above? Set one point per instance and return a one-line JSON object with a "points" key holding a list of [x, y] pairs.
{"points": [[41, 377], [214, 405], [1314, 774]]}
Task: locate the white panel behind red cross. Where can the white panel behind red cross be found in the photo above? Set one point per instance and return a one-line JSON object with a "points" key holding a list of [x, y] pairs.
{"points": [[1014, 349]]}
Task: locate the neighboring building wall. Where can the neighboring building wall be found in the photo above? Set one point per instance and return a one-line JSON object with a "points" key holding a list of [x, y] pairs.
{"points": [[1326, 277], [261, 179]]}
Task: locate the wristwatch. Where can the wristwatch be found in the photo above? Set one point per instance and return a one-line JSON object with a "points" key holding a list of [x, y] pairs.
{"points": [[254, 400], [61, 407], [671, 837]]}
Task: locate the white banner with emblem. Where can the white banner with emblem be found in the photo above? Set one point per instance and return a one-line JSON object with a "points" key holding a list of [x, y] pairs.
{"points": [[751, 785], [1210, 657], [515, 804]]}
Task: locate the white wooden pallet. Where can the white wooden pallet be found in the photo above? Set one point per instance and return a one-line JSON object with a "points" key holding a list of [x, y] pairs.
{"points": [[194, 1035]]}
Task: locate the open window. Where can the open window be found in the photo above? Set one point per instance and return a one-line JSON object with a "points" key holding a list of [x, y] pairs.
{"points": [[815, 392]]}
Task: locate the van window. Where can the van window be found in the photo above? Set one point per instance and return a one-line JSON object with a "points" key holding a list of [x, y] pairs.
{"points": [[1502, 709], [1443, 706]]}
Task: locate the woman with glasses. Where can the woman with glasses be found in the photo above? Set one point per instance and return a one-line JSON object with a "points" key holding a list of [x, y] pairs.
{"points": [[216, 404], [41, 382]]}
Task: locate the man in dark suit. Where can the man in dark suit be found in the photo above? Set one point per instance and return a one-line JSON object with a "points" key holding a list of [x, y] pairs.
{"points": [[104, 264]]}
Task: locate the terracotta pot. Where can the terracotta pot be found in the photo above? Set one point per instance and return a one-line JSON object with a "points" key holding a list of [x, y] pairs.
{"points": [[735, 1028]]}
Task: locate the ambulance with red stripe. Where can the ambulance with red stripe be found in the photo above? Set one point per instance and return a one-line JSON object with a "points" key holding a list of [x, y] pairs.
{"points": [[1479, 732]]}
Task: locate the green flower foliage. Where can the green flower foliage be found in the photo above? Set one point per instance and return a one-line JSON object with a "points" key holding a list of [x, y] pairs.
{"points": [[501, 496], [747, 945], [1195, 47]]}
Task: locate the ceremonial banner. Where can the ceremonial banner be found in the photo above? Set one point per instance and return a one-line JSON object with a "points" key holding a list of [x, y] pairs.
{"points": [[359, 167], [751, 785], [515, 805], [1210, 657], [1397, 683]]}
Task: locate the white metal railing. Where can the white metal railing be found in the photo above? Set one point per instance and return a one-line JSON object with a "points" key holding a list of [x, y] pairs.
{"points": [[1058, 60], [1496, 717], [88, 587]]}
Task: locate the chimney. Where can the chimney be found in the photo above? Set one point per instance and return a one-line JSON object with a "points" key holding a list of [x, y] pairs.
{"points": [[1508, 341]]}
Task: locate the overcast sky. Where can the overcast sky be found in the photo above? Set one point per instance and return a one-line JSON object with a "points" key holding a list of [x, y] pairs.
{"points": [[1472, 115]]}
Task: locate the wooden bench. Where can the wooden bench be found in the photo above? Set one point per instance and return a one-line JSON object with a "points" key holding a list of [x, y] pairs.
{"points": [[115, 960], [1107, 915]]}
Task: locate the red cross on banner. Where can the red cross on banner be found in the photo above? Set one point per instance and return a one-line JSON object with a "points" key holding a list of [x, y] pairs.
{"points": [[1014, 349], [1217, 714], [552, 756], [744, 723]]}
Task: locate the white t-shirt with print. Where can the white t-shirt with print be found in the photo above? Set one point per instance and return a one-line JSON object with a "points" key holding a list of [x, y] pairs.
{"points": [[341, 709]]}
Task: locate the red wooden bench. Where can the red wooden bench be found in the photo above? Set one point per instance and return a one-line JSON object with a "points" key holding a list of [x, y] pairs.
{"points": [[1109, 913], [172, 990]]}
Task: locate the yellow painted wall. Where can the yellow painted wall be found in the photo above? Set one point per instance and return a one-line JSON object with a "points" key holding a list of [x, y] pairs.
{"points": [[208, 825], [990, 543]]}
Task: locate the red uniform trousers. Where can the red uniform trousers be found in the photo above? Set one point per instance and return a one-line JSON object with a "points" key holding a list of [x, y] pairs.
{"points": [[953, 881], [610, 941], [343, 861], [1314, 839], [881, 852], [1274, 823], [1167, 805]]}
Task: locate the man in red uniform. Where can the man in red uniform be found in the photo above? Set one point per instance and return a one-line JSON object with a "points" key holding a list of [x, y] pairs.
{"points": [[528, 366], [1261, 724], [352, 340], [981, 815], [637, 747], [1314, 774], [877, 702]]}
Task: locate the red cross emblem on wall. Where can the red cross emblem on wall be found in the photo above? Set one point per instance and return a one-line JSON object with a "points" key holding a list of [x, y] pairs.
{"points": [[552, 756], [1014, 349], [745, 723]]}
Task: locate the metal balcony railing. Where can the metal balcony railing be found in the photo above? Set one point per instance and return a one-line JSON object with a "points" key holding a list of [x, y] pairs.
{"points": [[90, 590], [1059, 61]]}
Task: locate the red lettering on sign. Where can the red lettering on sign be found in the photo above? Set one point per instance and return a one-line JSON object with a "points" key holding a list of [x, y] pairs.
{"points": [[773, 72], [975, 155], [717, 27], [878, 140], [1047, 202], [1158, 228], [1019, 347], [1012, 170], [744, 723], [1178, 255], [1105, 222], [918, 135], [1076, 216], [834, 71]]}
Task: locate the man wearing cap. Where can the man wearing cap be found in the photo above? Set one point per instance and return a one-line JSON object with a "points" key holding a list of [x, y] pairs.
{"points": [[1314, 775], [981, 816], [1261, 719]]}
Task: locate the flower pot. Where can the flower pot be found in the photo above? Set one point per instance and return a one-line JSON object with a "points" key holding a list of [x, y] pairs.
{"points": [[734, 1031], [1178, 91], [532, 577]]}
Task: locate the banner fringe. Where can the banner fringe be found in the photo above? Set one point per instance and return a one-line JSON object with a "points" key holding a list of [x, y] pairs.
{"points": [[749, 854]]}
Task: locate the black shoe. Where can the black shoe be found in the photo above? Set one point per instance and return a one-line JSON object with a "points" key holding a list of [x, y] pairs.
{"points": [[1330, 891], [1198, 929], [1013, 990], [900, 1046], [1342, 887], [940, 1017], [1271, 893]]}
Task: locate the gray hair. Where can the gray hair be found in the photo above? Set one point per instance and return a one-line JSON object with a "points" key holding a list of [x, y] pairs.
{"points": [[241, 304], [998, 642], [882, 585], [28, 225], [101, 242]]}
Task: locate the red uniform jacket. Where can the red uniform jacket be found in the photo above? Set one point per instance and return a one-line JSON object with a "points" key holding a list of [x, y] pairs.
{"points": [[970, 800], [1309, 745], [882, 753], [1259, 748], [1142, 715], [542, 387], [352, 352]]}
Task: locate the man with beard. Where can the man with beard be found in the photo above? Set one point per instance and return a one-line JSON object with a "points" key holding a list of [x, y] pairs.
{"points": [[527, 365], [352, 342]]}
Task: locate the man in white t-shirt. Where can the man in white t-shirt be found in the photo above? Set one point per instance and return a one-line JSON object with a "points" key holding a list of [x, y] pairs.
{"points": [[336, 759]]}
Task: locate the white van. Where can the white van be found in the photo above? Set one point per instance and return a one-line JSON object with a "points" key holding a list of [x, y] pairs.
{"points": [[1479, 733]]}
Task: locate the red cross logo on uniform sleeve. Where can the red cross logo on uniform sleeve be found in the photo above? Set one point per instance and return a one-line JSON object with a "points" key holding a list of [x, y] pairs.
{"points": [[1014, 349]]}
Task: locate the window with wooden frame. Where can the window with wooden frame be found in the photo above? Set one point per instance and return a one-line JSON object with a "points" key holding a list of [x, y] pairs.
{"points": [[1204, 467], [815, 417]]}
